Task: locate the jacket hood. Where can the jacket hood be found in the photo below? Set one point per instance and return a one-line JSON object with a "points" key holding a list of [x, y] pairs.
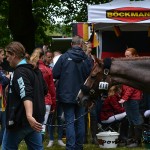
{"points": [[26, 66], [76, 54], [29, 66]]}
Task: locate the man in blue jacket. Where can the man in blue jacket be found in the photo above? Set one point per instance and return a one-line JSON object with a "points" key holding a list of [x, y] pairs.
{"points": [[72, 69]]}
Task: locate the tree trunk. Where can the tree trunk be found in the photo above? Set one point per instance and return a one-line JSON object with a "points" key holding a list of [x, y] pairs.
{"points": [[21, 23]]}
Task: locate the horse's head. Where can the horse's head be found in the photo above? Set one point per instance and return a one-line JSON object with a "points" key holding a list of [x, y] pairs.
{"points": [[96, 83]]}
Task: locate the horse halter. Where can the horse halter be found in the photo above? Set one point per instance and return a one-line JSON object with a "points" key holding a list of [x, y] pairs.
{"points": [[89, 90], [103, 85]]}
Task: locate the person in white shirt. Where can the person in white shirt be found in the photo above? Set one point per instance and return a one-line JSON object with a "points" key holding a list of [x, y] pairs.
{"points": [[57, 54]]}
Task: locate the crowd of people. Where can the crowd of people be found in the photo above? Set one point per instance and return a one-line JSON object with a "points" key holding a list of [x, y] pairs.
{"points": [[41, 89]]}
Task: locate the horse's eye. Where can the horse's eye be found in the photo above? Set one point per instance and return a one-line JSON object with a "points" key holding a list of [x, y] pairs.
{"points": [[93, 76]]}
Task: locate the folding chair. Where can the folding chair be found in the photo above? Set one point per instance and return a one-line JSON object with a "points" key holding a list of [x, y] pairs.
{"points": [[113, 122], [113, 126]]}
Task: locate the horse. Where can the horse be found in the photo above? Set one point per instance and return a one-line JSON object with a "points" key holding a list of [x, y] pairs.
{"points": [[134, 72]]}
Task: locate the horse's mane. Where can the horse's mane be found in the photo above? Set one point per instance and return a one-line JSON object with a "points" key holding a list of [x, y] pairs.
{"points": [[100, 61], [96, 60], [132, 58]]}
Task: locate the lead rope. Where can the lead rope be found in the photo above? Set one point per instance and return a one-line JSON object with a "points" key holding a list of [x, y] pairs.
{"points": [[66, 124]]}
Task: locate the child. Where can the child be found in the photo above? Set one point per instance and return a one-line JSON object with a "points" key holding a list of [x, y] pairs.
{"points": [[111, 109]]}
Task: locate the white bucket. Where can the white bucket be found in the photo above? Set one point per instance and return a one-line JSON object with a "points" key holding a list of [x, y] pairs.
{"points": [[107, 139]]}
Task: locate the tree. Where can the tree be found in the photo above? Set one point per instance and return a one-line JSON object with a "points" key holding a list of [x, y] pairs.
{"points": [[30, 20], [76, 9], [5, 35], [21, 22]]}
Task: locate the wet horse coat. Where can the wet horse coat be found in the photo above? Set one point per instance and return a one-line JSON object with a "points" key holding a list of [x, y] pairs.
{"points": [[134, 72]]}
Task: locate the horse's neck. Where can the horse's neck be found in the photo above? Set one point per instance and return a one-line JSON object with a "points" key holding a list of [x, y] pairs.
{"points": [[132, 72]]}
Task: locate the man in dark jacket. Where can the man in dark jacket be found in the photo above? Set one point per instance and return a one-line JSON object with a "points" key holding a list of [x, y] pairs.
{"points": [[72, 69], [25, 108]]}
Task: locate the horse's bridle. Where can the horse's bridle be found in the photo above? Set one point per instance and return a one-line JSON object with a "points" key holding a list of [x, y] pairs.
{"points": [[103, 85], [89, 90]]}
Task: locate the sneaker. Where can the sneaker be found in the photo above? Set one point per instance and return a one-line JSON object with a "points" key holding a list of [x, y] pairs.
{"points": [[50, 144], [61, 143], [134, 144]]}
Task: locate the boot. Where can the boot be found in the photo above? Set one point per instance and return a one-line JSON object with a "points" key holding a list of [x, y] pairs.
{"points": [[94, 130], [130, 134], [123, 130], [137, 138]]}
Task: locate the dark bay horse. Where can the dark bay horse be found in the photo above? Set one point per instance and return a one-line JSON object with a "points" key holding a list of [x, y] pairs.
{"points": [[133, 71]]}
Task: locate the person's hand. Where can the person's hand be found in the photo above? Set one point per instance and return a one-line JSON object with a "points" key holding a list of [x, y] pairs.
{"points": [[34, 124], [52, 111], [91, 106], [88, 53], [8, 76], [53, 108], [121, 101]]}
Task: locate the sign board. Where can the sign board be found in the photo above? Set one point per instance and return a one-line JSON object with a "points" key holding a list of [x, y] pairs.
{"points": [[120, 11], [133, 20]]}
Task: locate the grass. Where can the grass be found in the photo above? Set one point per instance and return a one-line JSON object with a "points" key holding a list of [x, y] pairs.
{"points": [[89, 146], [86, 147]]}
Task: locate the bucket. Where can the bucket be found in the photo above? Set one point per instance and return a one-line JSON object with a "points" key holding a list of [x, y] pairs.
{"points": [[107, 139], [146, 139]]}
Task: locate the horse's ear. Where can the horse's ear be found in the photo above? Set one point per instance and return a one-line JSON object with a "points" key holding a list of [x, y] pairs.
{"points": [[100, 62]]}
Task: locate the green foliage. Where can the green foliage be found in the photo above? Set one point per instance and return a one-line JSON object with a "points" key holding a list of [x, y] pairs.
{"points": [[77, 10], [46, 13], [5, 35]]}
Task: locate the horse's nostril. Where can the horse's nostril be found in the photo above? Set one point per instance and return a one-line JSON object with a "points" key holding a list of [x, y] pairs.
{"points": [[82, 102], [85, 102], [78, 100]]}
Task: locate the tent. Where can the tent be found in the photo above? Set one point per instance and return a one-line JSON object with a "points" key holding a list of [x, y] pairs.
{"points": [[133, 20]]}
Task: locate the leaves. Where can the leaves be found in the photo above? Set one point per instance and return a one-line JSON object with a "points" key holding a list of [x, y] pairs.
{"points": [[5, 35], [46, 14]]}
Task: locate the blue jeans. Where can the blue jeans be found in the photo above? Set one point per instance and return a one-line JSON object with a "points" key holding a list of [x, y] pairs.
{"points": [[59, 122], [11, 139], [3, 124], [75, 131], [133, 113]]}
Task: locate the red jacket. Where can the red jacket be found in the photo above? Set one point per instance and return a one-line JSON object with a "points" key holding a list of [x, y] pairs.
{"points": [[130, 93], [111, 107], [50, 98]]}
